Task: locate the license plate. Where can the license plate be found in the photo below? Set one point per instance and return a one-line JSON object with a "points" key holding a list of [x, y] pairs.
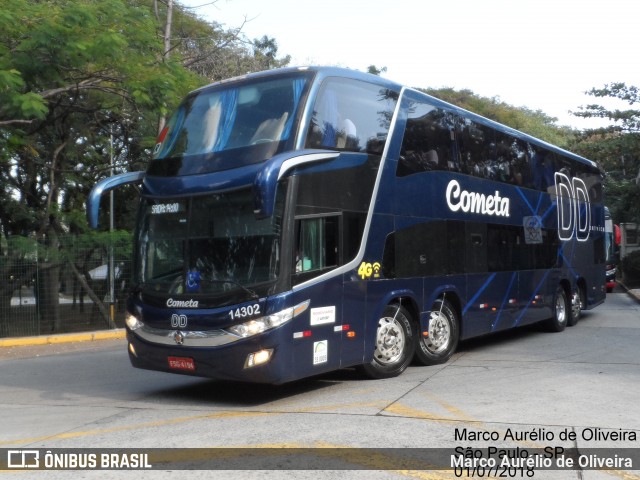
{"points": [[182, 363]]}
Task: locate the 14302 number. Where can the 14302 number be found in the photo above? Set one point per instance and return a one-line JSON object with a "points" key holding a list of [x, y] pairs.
{"points": [[243, 312]]}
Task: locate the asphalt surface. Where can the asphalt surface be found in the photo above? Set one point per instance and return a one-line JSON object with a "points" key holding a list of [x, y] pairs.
{"points": [[24, 347]]}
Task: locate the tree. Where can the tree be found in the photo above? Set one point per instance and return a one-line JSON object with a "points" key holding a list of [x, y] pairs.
{"points": [[80, 81], [533, 122], [265, 51], [616, 147], [76, 72], [375, 70]]}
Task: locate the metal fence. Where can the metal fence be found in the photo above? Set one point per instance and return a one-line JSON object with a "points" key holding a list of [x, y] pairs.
{"points": [[40, 295]]}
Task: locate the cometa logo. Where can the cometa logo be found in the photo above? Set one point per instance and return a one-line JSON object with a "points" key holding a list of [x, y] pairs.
{"points": [[473, 202], [191, 303]]}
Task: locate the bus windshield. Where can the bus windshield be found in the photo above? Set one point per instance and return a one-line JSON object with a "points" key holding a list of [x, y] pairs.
{"points": [[206, 245], [229, 126]]}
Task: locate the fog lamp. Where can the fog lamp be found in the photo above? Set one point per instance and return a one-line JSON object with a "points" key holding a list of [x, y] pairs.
{"points": [[258, 358]]}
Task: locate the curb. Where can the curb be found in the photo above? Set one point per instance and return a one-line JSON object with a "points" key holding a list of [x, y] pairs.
{"points": [[121, 333], [64, 338], [630, 291]]}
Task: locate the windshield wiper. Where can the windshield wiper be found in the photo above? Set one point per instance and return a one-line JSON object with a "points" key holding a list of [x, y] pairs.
{"points": [[253, 294], [138, 287]]}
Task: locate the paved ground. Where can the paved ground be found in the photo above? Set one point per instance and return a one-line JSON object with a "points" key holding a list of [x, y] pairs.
{"points": [[586, 378], [23, 347]]}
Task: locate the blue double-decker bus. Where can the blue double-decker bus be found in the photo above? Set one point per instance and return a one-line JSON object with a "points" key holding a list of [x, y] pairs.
{"points": [[303, 220]]}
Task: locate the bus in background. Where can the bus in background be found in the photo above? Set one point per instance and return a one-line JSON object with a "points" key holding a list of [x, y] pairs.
{"points": [[303, 220], [612, 237]]}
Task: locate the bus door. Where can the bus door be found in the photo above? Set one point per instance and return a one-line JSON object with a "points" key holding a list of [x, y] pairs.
{"points": [[502, 302], [355, 310], [492, 285], [539, 275], [317, 335], [483, 291]]}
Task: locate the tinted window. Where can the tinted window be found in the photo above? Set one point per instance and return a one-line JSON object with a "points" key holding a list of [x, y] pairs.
{"points": [[351, 115], [230, 125], [438, 139], [428, 142], [453, 247]]}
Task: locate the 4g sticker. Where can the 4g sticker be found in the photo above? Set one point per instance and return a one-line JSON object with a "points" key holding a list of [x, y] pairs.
{"points": [[369, 270]]}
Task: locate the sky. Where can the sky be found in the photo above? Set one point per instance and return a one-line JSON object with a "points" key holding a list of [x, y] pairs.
{"points": [[540, 54]]}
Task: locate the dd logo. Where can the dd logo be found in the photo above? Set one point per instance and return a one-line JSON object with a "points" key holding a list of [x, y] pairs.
{"points": [[178, 321], [574, 209]]}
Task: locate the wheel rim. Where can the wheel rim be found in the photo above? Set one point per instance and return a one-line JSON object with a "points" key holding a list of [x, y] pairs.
{"points": [[390, 341], [561, 308], [439, 333], [576, 303]]}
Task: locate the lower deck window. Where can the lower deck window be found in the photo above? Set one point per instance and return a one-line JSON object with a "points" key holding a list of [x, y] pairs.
{"points": [[317, 243], [453, 247]]}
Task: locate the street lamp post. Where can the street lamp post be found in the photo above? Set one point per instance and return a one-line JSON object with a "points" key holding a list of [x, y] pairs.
{"points": [[112, 280]]}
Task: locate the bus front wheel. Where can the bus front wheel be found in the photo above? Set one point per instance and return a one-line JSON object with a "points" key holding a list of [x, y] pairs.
{"points": [[561, 311], [395, 344], [441, 339]]}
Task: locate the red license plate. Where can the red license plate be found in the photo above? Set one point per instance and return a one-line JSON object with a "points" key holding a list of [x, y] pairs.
{"points": [[181, 363]]}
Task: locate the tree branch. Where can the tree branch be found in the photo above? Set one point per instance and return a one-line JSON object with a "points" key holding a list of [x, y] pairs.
{"points": [[16, 121]]}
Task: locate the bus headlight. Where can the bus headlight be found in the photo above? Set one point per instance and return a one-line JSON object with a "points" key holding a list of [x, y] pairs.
{"points": [[262, 324], [132, 322]]}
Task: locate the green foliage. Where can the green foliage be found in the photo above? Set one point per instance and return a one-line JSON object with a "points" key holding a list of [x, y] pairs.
{"points": [[265, 53], [623, 199], [84, 245], [372, 69], [616, 147], [85, 80], [71, 248], [627, 120], [14, 99]]}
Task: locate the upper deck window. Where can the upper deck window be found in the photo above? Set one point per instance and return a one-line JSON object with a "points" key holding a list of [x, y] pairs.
{"points": [[229, 126], [351, 115], [438, 139]]}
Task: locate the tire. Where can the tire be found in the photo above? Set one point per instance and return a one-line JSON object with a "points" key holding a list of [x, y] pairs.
{"points": [[576, 307], [395, 344], [444, 334], [561, 311]]}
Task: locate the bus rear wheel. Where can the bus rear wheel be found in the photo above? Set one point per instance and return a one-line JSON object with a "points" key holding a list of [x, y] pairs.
{"points": [[576, 307], [561, 311], [441, 339], [395, 344]]}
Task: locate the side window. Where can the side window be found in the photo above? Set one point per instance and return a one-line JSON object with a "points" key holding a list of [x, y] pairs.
{"points": [[520, 161], [478, 150], [419, 250], [351, 115], [317, 245], [429, 142], [511, 162], [543, 168]]}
